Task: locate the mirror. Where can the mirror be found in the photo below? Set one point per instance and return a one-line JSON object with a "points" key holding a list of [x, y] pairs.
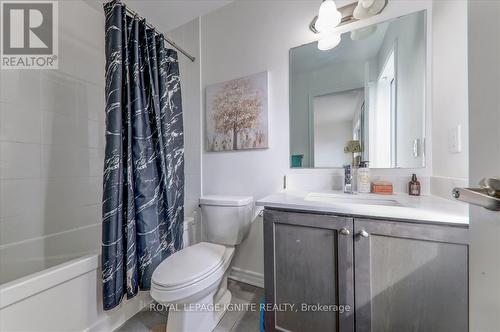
{"points": [[363, 100]]}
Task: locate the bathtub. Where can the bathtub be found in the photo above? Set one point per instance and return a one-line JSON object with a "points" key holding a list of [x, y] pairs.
{"points": [[60, 288]]}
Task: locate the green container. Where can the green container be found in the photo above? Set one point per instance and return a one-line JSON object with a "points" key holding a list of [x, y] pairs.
{"points": [[297, 160]]}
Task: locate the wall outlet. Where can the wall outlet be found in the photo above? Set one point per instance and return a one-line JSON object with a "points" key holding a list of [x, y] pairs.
{"points": [[455, 139]]}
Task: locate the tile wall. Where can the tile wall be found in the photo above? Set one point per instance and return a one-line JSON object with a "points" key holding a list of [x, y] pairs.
{"points": [[52, 148]]}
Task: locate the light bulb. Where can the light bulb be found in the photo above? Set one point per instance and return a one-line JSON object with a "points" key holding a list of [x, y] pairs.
{"points": [[328, 41], [368, 8], [329, 17]]}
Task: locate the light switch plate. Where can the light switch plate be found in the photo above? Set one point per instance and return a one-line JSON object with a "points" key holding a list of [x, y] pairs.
{"points": [[455, 139]]}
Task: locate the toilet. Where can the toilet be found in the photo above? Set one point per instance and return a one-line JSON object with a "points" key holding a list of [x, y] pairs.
{"points": [[193, 281]]}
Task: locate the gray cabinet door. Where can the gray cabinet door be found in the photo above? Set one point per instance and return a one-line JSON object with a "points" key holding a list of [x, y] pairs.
{"points": [[308, 260], [410, 277]]}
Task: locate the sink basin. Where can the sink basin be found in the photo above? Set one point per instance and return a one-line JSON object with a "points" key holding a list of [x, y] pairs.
{"points": [[350, 199]]}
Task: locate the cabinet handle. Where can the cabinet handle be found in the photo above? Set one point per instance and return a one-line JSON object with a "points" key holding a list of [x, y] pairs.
{"points": [[364, 233], [345, 231]]}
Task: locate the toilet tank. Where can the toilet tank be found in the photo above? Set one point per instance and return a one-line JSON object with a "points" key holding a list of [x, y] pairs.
{"points": [[226, 219]]}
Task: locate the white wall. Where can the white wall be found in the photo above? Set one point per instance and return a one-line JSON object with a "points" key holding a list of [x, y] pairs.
{"points": [[52, 136], [188, 36], [450, 95], [329, 141]]}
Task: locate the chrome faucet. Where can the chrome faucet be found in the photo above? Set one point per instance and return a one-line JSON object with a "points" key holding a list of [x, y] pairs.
{"points": [[347, 186]]}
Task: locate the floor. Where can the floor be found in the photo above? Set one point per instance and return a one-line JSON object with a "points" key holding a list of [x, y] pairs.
{"points": [[233, 321]]}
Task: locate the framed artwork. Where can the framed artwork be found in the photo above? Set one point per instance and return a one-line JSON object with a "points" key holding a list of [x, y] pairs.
{"points": [[237, 114]]}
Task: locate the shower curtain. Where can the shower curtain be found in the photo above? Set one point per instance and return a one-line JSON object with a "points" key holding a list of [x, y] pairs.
{"points": [[143, 194]]}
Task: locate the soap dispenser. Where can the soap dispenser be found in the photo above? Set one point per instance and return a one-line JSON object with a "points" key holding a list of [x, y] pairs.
{"points": [[348, 186], [414, 186], [364, 185]]}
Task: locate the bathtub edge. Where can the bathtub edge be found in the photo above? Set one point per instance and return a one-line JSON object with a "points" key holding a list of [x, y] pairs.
{"points": [[35, 283]]}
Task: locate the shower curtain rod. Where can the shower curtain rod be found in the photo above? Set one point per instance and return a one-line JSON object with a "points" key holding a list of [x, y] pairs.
{"points": [[171, 42]]}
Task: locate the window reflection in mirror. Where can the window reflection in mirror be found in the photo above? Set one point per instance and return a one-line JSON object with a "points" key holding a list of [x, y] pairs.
{"points": [[370, 89]]}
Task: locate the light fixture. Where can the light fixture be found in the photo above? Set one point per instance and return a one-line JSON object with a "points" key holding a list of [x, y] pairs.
{"points": [[328, 18], [328, 40], [368, 8]]}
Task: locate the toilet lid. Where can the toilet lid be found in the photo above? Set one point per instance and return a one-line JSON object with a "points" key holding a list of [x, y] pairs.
{"points": [[188, 264]]}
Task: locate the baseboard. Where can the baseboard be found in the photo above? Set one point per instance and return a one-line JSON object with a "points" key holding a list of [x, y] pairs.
{"points": [[248, 277]]}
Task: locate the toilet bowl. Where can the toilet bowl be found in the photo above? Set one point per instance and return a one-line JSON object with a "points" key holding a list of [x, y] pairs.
{"points": [[193, 281]]}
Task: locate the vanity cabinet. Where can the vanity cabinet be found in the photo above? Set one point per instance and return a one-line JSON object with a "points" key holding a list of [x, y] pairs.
{"points": [[308, 260], [395, 275]]}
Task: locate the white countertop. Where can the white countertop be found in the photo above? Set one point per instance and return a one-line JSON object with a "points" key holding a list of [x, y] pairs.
{"points": [[413, 208]]}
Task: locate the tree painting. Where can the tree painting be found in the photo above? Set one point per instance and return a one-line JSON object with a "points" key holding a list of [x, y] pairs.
{"points": [[237, 108], [237, 114]]}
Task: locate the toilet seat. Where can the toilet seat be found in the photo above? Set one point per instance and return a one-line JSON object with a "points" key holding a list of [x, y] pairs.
{"points": [[189, 265]]}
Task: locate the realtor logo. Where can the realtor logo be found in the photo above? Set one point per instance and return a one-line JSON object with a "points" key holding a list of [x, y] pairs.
{"points": [[29, 35]]}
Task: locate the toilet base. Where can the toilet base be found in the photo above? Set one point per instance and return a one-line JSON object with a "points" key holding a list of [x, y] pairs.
{"points": [[202, 316]]}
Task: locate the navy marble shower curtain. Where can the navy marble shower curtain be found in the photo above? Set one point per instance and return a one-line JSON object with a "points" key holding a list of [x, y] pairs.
{"points": [[143, 194]]}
